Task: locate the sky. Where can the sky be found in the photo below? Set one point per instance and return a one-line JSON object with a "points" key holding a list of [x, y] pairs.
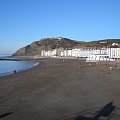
{"points": [[25, 21]]}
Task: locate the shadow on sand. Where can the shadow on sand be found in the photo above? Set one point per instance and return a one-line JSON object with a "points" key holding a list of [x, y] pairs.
{"points": [[5, 114], [105, 111]]}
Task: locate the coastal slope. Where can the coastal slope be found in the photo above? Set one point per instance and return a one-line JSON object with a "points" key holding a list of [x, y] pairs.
{"points": [[45, 44], [36, 47]]}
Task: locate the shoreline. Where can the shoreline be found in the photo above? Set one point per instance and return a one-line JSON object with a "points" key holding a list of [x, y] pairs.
{"points": [[18, 69], [56, 88]]}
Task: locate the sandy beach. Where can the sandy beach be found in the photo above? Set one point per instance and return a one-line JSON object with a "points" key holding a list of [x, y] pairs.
{"points": [[59, 88]]}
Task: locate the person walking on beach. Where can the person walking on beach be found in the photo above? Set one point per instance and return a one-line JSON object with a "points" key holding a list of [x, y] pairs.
{"points": [[14, 71]]}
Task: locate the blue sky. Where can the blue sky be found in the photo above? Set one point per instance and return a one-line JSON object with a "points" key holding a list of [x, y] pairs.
{"points": [[25, 21]]}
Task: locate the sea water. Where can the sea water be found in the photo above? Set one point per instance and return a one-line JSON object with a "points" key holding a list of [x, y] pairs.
{"points": [[8, 67]]}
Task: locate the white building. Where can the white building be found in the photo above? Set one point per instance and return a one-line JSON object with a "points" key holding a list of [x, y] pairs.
{"points": [[87, 52], [105, 54], [69, 53], [98, 57], [90, 53], [113, 52], [76, 52]]}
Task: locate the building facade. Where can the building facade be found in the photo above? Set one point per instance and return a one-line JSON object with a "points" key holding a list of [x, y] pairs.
{"points": [[89, 53]]}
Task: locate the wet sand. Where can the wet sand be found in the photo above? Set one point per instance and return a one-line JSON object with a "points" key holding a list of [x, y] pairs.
{"points": [[57, 88]]}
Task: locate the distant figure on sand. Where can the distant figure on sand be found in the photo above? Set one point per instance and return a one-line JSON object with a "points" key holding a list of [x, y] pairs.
{"points": [[14, 71]]}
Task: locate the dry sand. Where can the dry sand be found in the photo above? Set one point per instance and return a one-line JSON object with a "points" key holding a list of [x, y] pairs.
{"points": [[57, 88]]}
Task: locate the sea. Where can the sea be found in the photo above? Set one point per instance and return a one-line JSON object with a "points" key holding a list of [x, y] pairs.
{"points": [[8, 67]]}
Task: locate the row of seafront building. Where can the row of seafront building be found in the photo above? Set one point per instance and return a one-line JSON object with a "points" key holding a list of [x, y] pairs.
{"points": [[88, 53]]}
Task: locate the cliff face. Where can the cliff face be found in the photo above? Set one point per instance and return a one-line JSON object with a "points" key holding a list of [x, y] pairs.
{"points": [[45, 44]]}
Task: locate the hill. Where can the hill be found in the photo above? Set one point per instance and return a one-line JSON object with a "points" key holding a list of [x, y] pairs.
{"points": [[59, 42], [45, 44]]}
